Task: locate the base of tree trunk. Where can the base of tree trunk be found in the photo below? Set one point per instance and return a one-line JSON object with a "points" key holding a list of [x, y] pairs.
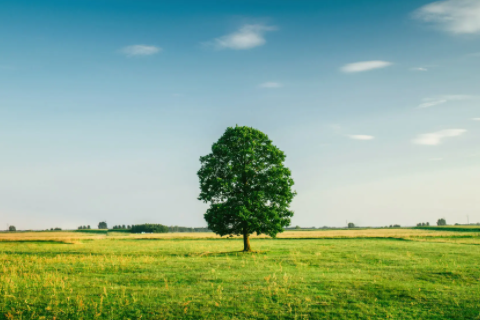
{"points": [[246, 242]]}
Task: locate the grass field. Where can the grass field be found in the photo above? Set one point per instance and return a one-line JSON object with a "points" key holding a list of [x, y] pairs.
{"points": [[338, 274]]}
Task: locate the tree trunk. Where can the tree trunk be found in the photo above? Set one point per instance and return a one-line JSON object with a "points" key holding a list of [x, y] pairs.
{"points": [[246, 242]]}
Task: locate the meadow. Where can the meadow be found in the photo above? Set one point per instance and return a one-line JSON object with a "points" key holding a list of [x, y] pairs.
{"points": [[331, 274]]}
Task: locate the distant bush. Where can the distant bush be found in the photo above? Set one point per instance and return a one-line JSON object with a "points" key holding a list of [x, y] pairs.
{"points": [[441, 222], [102, 225], [149, 228], [351, 225], [12, 228]]}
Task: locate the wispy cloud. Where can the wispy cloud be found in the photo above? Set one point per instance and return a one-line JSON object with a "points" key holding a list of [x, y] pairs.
{"points": [[419, 69], [436, 138], [476, 119], [453, 16], [364, 66], [431, 103], [360, 137], [435, 101], [247, 37], [140, 50], [270, 85]]}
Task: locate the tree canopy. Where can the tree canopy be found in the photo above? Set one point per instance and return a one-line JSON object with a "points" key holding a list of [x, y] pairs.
{"points": [[102, 225], [247, 185], [441, 222]]}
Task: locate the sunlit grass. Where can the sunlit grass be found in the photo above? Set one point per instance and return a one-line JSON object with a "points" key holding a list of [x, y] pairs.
{"points": [[346, 274]]}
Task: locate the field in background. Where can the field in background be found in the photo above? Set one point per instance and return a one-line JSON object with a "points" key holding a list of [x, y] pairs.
{"points": [[418, 234], [331, 274]]}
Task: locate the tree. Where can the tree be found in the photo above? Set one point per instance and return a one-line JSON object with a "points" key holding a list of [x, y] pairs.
{"points": [[351, 225], [428, 224], [441, 222], [247, 185], [12, 228], [102, 225], [149, 228]]}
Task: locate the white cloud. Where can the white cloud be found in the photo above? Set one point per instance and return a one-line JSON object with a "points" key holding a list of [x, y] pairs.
{"points": [[364, 66], [435, 138], [419, 69], [247, 37], [453, 16], [140, 50], [270, 85], [430, 102], [361, 137]]}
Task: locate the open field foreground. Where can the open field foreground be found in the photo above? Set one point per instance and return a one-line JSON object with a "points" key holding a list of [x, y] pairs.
{"points": [[342, 274]]}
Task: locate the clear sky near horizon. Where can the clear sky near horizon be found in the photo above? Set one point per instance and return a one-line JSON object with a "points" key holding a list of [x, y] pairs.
{"points": [[106, 107]]}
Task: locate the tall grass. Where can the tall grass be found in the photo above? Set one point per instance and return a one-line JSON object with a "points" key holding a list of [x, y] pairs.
{"points": [[404, 275]]}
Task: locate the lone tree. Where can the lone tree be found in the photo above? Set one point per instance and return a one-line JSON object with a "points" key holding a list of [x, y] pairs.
{"points": [[247, 185], [441, 222], [12, 228], [102, 225]]}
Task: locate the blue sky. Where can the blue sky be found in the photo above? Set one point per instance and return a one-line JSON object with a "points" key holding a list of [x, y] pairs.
{"points": [[106, 107]]}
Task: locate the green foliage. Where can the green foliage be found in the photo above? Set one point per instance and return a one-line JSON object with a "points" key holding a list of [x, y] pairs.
{"points": [[394, 226], [452, 228], [94, 231], [247, 185], [102, 225], [149, 228], [441, 222], [351, 225], [423, 224], [12, 228]]}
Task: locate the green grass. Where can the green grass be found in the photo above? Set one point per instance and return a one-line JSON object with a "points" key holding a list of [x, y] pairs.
{"points": [[472, 228], [205, 279]]}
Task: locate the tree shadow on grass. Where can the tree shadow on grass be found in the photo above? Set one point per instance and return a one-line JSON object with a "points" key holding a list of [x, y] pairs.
{"points": [[226, 253]]}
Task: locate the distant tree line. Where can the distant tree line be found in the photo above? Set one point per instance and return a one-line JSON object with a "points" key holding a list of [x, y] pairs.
{"points": [[84, 227], [423, 224], [187, 229], [149, 228], [124, 227]]}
